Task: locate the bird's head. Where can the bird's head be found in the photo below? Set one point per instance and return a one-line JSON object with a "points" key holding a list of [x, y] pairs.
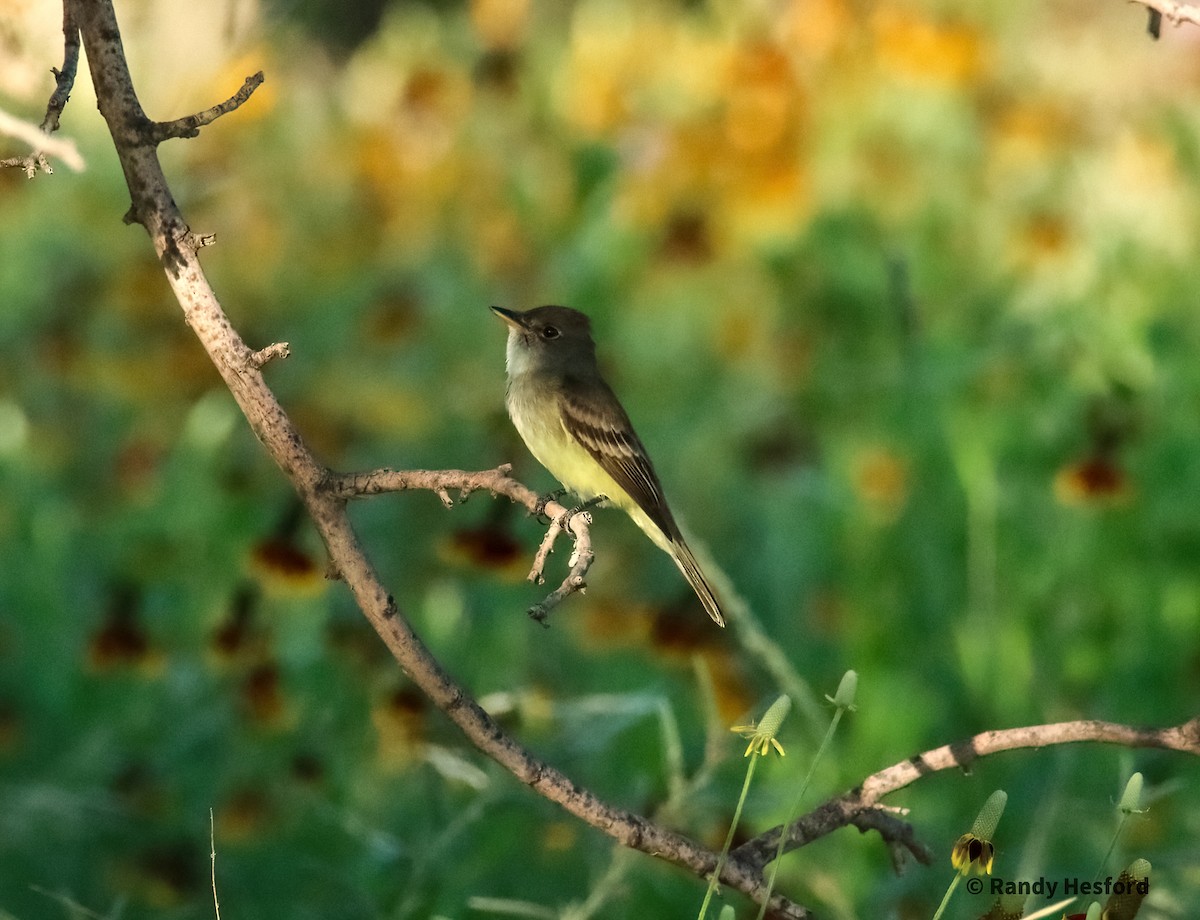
{"points": [[553, 339]]}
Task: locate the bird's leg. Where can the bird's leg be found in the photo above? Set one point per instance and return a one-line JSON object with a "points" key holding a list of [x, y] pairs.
{"points": [[557, 526], [580, 508], [539, 510], [590, 503]]}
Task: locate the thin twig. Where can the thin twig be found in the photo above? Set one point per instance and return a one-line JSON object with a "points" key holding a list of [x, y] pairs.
{"points": [[212, 855], [543, 552], [64, 79], [39, 140], [270, 353], [190, 125], [347, 486], [43, 146], [575, 523]]}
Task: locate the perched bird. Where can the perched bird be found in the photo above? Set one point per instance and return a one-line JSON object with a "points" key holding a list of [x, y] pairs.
{"points": [[572, 422]]}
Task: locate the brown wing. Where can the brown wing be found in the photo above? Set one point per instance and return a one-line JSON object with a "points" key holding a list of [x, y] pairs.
{"points": [[592, 415]]}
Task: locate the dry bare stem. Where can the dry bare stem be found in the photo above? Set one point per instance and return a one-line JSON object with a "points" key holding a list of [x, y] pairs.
{"points": [[39, 140]]}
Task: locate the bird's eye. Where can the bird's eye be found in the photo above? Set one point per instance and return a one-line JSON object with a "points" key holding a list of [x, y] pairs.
{"points": [[550, 332]]}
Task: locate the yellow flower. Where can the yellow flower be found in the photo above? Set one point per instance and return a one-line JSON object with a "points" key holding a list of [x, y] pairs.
{"points": [[974, 850], [762, 735], [972, 853]]}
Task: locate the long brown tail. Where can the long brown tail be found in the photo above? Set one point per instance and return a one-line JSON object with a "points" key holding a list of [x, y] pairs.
{"points": [[691, 571]]}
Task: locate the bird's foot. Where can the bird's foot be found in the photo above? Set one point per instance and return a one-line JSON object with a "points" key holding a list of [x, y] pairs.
{"points": [[539, 510], [581, 508]]}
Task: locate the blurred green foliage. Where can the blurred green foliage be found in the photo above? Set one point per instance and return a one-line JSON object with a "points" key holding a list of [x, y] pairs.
{"points": [[900, 296]]}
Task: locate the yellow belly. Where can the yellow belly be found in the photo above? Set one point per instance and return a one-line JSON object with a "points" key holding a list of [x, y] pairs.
{"points": [[568, 461]]}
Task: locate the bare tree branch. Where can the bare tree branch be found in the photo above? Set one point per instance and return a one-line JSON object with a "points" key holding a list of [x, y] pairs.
{"points": [[64, 79], [190, 125], [64, 82], [575, 523], [498, 482], [43, 145], [860, 806]]}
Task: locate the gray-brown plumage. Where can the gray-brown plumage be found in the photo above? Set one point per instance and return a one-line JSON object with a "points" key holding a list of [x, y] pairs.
{"points": [[572, 422]]}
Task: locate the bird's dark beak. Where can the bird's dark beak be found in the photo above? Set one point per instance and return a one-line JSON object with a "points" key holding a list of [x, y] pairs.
{"points": [[512, 318]]}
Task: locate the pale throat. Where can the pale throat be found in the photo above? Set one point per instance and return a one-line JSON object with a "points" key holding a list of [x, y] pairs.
{"points": [[518, 357]]}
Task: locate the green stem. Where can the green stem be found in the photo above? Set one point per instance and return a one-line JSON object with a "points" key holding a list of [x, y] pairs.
{"points": [[1112, 846], [795, 810], [946, 900], [714, 878]]}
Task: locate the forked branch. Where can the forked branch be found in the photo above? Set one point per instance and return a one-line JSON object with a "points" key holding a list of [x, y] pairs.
{"points": [[498, 482], [40, 141]]}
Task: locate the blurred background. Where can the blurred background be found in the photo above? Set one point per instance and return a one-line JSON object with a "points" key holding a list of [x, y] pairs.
{"points": [[900, 296]]}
